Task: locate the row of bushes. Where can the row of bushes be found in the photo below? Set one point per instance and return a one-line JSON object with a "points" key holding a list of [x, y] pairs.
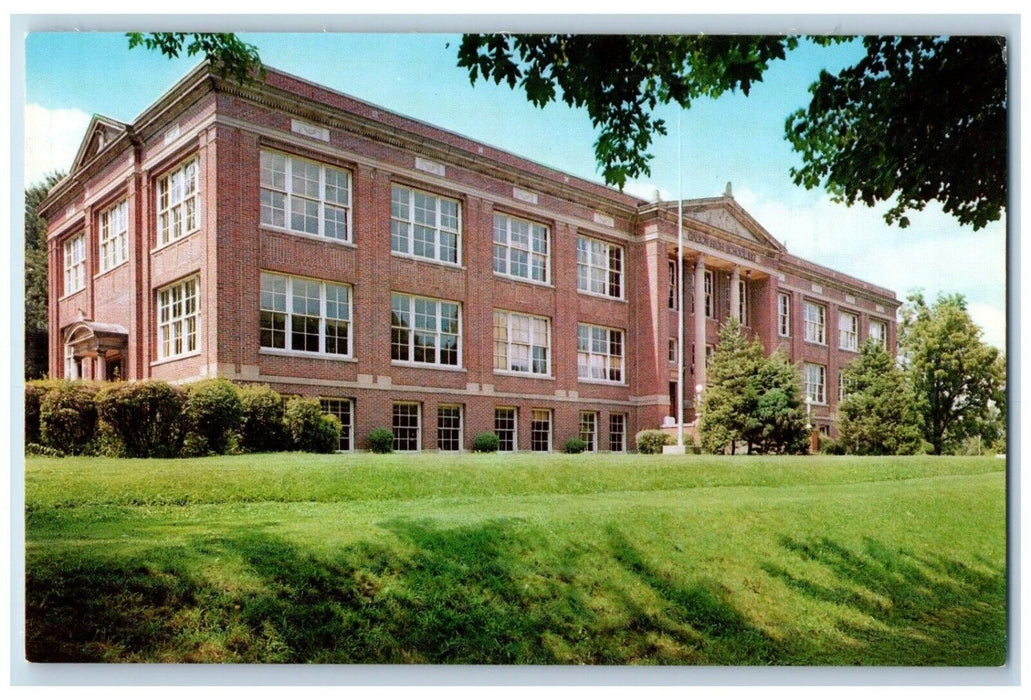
{"points": [[156, 419]]}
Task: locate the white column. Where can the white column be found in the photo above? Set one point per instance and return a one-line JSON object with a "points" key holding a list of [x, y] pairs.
{"points": [[735, 293], [699, 321], [101, 367]]}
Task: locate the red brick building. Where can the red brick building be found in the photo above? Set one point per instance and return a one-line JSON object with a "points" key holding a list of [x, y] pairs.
{"points": [[287, 234]]}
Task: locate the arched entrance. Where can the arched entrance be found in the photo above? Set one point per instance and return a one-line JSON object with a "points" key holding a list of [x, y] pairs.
{"points": [[95, 351]]}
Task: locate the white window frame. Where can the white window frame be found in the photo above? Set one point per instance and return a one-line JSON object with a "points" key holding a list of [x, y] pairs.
{"points": [[281, 194], [880, 336], [596, 273], [590, 360], [333, 406], [396, 429], [505, 336], [75, 264], [177, 323], [589, 430], [673, 299], [710, 290], [621, 432], [521, 243], [848, 331], [815, 377], [178, 202], [673, 354], [279, 297], [815, 316], [415, 307], [457, 408], [784, 315], [841, 385], [403, 224], [506, 411], [113, 236], [535, 421], [742, 302]]}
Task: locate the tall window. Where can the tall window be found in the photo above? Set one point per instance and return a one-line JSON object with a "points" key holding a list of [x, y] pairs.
{"points": [[589, 430], [710, 303], [540, 430], [521, 249], [342, 409], [425, 331], [178, 313], [617, 432], [114, 235], [784, 315], [449, 428], [844, 386], [674, 288], [672, 349], [599, 353], [505, 428], [599, 267], [406, 426], [522, 343], [742, 303], [75, 263], [305, 197], [848, 331], [178, 195], [815, 317], [305, 315], [879, 333], [816, 383], [424, 225]]}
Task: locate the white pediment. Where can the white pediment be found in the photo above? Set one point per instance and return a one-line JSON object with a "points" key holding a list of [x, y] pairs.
{"points": [[724, 220], [727, 216], [100, 133]]}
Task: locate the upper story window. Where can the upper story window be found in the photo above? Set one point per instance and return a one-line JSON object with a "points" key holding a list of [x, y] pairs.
{"points": [[599, 267], [848, 331], [879, 333], [784, 315], [178, 195], [742, 303], [710, 303], [305, 315], [521, 249], [75, 263], [178, 319], [305, 197], [674, 287], [424, 225], [114, 235], [425, 331], [599, 353], [815, 316], [522, 343], [815, 383]]}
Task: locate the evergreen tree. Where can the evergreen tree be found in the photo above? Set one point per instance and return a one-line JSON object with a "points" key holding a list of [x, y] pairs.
{"points": [[36, 278], [878, 414], [780, 415]]}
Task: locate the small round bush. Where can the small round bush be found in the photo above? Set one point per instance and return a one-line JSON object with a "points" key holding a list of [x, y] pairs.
{"points": [[486, 442], [309, 428], [650, 442], [143, 419], [212, 414], [68, 418], [262, 429], [575, 446], [381, 441]]}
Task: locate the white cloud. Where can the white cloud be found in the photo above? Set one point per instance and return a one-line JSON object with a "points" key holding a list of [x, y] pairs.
{"points": [[992, 321], [52, 137], [648, 191]]}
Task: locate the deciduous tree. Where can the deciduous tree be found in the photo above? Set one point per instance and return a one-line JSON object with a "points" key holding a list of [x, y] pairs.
{"points": [[36, 296]]}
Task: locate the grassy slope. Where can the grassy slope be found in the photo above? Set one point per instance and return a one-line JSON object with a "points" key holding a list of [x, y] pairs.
{"points": [[517, 559]]}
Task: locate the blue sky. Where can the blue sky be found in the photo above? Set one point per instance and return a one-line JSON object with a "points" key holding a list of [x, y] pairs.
{"points": [[70, 76]]}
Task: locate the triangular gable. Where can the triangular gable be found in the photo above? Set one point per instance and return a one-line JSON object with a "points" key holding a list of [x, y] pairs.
{"points": [[100, 133], [727, 215]]}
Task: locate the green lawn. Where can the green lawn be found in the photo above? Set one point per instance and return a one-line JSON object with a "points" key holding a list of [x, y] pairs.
{"points": [[517, 559]]}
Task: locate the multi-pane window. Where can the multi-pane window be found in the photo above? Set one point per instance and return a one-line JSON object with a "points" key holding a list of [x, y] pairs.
{"points": [[815, 317], [449, 428], [674, 286], [879, 333], [742, 303], [305, 315], [522, 343], [617, 432], [425, 331], [521, 249], [406, 427], [844, 386], [114, 235], [305, 197], [589, 430], [815, 382], [672, 349], [710, 302], [342, 409], [848, 331], [599, 353], [178, 314], [505, 428], [178, 195], [784, 315], [424, 225], [599, 267], [540, 430], [75, 263]]}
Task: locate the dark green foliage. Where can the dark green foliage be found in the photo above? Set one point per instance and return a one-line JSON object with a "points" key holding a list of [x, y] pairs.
{"points": [[309, 428], [34, 393], [68, 418], [36, 294], [575, 446], [650, 442], [145, 418], [486, 442], [381, 440], [212, 415], [230, 56], [262, 429]]}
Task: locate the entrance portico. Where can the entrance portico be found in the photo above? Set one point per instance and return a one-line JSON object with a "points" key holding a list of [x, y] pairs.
{"points": [[95, 350]]}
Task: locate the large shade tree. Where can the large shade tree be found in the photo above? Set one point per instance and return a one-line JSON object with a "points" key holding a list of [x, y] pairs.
{"points": [[36, 295]]}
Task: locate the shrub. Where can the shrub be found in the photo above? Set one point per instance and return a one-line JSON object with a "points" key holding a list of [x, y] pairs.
{"points": [[262, 429], [829, 446], [34, 393], [143, 418], [381, 441], [486, 442], [650, 442], [68, 418], [309, 429], [575, 446], [212, 415]]}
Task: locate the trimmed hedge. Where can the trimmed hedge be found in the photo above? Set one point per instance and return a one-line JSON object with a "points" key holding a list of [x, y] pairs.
{"points": [[309, 428], [144, 418], [486, 442], [575, 446], [212, 414], [34, 393], [650, 442], [263, 429], [381, 441], [68, 418]]}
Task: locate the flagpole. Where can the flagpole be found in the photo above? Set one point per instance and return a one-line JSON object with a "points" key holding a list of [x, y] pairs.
{"points": [[680, 288]]}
